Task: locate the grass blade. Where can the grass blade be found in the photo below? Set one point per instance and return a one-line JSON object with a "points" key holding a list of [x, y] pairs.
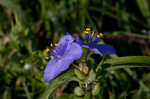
{"points": [[136, 60], [67, 76]]}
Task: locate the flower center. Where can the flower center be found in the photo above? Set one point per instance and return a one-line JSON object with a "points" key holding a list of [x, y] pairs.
{"points": [[91, 37], [51, 50], [56, 51]]}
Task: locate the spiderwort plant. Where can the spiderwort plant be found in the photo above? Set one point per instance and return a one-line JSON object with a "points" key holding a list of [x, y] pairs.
{"points": [[91, 40], [61, 56]]}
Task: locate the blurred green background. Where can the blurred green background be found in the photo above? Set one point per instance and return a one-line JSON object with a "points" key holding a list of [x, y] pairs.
{"points": [[27, 27]]}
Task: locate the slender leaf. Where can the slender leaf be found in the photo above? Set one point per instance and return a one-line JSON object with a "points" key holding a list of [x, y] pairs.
{"points": [[140, 60], [26, 89], [67, 76], [144, 7], [134, 76], [10, 4]]}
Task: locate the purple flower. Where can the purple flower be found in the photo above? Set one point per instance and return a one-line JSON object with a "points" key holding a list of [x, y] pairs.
{"points": [[91, 41], [61, 57]]}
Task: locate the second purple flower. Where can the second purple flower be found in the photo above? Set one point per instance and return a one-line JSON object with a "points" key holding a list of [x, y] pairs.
{"points": [[91, 40]]}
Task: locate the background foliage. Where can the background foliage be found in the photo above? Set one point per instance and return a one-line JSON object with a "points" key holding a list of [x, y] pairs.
{"points": [[28, 27]]}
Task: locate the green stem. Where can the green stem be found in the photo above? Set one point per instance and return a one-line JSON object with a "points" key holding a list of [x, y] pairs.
{"points": [[99, 66]]}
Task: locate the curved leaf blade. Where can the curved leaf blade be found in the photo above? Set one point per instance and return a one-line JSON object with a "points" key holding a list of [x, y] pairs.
{"points": [[128, 60], [66, 77]]}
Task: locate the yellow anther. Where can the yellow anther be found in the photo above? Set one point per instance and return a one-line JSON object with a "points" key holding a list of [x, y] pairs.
{"points": [[52, 57], [46, 50], [51, 45], [56, 44], [88, 29], [100, 35], [54, 51], [86, 32], [47, 58]]}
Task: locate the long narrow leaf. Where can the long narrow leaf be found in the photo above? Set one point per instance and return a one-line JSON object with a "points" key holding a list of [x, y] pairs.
{"points": [[144, 8], [10, 4], [67, 76], [137, 60]]}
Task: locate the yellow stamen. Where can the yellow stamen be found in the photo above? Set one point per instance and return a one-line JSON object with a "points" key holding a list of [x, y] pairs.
{"points": [[54, 51], [56, 44], [98, 36], [52, 57], [51, 45], [47, 58], [86, 32], [88, 29], [101, 35], [46, 50]]}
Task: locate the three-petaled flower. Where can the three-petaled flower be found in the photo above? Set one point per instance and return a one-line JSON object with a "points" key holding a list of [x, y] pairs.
{"points": [[69, 49], [62, 55], [91, 43]]}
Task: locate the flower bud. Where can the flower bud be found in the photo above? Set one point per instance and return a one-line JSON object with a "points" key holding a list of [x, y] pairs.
{"points": [[85, 69], [78, 91], [91, 76], [96, 89]]}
